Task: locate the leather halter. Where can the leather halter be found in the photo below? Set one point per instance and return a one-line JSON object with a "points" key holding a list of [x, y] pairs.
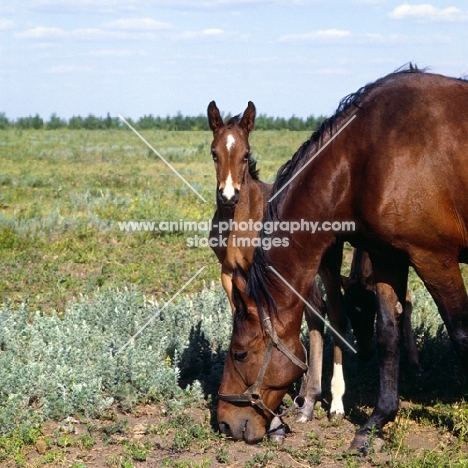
{"points": [[252, 394]]}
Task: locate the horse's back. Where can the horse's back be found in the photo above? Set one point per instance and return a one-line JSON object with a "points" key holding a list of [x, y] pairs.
{"points": [[412, 179]]}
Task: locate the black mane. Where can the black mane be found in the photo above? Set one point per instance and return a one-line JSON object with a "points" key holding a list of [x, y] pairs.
{"points": [[253, 170], [328, 127], [233, 121]]}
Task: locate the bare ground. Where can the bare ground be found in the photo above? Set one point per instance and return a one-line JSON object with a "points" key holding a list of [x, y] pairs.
{"points": [[150, 437]]}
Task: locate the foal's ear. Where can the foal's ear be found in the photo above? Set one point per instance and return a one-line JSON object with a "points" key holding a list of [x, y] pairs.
{"points": [[214, 118], [248, 118]]}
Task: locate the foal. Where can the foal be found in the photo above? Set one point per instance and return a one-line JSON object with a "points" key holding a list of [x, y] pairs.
{"points": [[235, 169], [241, 199]]}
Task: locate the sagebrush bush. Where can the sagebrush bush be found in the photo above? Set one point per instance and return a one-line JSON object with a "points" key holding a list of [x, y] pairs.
{"points": [[52, 367]]}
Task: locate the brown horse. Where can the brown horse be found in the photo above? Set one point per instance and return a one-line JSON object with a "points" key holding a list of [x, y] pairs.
{"points": [[399, 170], [241, 201], [360, 305]]}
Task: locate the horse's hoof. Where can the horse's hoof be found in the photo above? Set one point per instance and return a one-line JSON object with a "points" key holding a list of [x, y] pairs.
{"points": [[277, 431], [336, 416], [362, 445], [277, 439], [302, 418], [306, 411]]}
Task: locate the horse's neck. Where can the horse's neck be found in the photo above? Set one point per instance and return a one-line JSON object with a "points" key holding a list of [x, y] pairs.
{"points": [[252, 200]]}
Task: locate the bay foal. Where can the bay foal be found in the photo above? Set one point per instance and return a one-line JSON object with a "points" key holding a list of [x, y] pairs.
{"points": [[240, 195]]}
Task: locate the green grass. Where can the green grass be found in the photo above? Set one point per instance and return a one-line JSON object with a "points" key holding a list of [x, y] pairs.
{"points": [[64, 262], [62, 193]]}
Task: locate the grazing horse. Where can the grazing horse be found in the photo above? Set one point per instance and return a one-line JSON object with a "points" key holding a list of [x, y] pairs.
{"points": [[241, 200], [360, 304], [394, 160]]}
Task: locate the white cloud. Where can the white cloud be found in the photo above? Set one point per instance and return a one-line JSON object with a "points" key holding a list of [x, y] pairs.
{"points": [[115, 6], [117, 53], [426, 12], [42, 32], [6, 24], [91, 34], [120, 29], [69, 69], [334, 36], [137, 24], [370, 3], [327, 35], [205, 34], [213, 32], [222, 3], [83, 6]]}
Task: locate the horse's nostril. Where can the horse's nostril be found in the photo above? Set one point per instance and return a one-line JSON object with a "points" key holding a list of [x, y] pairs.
{"points": [[225, 428], [228, 200]]}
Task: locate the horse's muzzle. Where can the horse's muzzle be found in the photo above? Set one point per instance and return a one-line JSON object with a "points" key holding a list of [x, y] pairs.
{"points": [[231, 201], [245, 430]]}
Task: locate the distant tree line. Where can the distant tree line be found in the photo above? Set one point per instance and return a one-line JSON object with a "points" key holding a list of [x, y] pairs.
{"points": [[148, 122]]}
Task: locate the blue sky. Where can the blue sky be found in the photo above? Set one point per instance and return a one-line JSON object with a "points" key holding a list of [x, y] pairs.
{"points": [[137, 57]]}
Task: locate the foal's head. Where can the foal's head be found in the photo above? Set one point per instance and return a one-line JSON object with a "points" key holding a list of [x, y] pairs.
{"points": [[231, 152]]}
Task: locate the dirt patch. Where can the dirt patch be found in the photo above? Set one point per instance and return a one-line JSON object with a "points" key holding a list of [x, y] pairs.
{"points": [[150, 436]]}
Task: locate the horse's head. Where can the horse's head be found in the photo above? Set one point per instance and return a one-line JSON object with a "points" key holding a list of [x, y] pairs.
{"points": [[231, 151], [258, 369]]}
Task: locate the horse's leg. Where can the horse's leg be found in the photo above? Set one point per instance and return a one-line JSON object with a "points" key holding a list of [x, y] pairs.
{"points": [[410, 344], [226, 281], [391, 284], [314, 374], [330, 274], [442, 277]]}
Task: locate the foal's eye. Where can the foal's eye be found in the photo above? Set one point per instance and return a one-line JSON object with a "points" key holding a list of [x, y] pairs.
{"points": [[240, 356], [246, 156], [214, 155]]}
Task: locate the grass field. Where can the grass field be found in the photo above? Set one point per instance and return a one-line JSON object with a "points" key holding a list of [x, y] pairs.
{"points": [[66, 267], [62, 193]]}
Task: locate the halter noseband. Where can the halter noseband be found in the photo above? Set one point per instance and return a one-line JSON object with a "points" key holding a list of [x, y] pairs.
{"points": [[252, 394]]}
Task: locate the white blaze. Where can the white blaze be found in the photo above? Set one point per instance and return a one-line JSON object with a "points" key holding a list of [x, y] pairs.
{"points": [[228, 190], [230, 142]]}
